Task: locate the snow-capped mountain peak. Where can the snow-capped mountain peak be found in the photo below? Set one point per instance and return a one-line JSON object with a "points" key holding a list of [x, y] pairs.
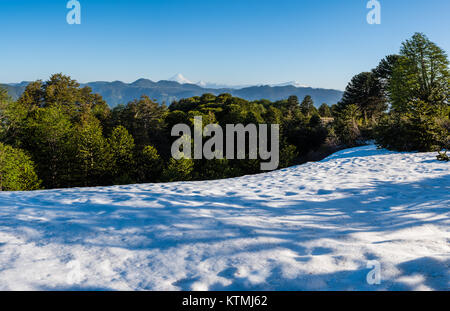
{"points": [[180, 79], [293, 83], [183, 80], [202, 83]]}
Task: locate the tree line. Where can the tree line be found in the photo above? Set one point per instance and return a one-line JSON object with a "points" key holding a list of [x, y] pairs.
{"points": [[59, 135]]}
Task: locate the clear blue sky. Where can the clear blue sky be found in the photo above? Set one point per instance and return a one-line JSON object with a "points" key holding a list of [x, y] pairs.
{"points": [[322, 43]]}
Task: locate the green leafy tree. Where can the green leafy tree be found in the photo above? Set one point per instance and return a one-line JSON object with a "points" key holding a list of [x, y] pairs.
{"points": [[421, 75], [17, 170], [12, 119], [121, 145], [62, 92], [48, 139], [92, 154], [419, 95], [144, 120]]}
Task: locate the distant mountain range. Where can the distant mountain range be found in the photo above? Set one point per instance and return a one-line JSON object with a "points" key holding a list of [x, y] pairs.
{"points": [[166, 91]]}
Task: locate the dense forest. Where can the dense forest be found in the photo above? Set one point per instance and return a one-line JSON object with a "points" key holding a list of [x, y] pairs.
{"points": [[58, 134]]}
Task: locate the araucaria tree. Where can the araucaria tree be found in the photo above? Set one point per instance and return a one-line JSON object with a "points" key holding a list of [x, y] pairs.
{"points": [[362, 104], [365, 91], [418, 90]]}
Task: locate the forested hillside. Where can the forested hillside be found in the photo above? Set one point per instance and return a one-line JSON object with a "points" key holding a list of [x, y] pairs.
{"points": [[117, 92], [61, 134]]}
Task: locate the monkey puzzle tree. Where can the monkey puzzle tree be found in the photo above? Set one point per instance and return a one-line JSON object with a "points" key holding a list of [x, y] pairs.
{"points": [[420, 75], [366, 93], [419, 89]]}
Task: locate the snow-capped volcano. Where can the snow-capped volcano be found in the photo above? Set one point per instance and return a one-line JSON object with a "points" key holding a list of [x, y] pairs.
{"points": [[180, 79], [293, 83]]}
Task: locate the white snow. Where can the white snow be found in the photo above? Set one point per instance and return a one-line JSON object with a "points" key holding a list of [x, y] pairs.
{"points": [[180, 79], [310, 227], [291, 83]]}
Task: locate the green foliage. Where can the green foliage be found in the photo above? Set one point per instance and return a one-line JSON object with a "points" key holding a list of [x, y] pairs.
{"points": [[347, 127], [442, 156], [150, 165], [64, 128], [121, 145], [325, 111], [418, 130], [17, 170], [4, 99], [288, 154], [144, 120], [74, 139], [384, 71], [307, 106], [47, 136], [419, 94], [63, 93], [365, 92], [420, 75], [92, 157], [3, 95], [215, 169], [178, 170]]}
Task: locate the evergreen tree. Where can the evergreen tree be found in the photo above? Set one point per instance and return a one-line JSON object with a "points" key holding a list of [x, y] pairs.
{"points": [[293, 102], [150, 165], [421, 75], [3, 94], [366, 93], [214, 169], [178, 170], [419, 94], [288, 153], [416, 130], [307, 106], [4, 99], [325, 111], [384, 71], [347, 127], [443, 156]]}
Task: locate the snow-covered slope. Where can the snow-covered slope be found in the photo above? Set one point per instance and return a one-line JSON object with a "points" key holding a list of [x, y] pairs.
{"points": [[311, 227]]}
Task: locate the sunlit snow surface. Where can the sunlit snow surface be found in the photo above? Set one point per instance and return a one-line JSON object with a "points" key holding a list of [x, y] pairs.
{"points": [[310, 227]]}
